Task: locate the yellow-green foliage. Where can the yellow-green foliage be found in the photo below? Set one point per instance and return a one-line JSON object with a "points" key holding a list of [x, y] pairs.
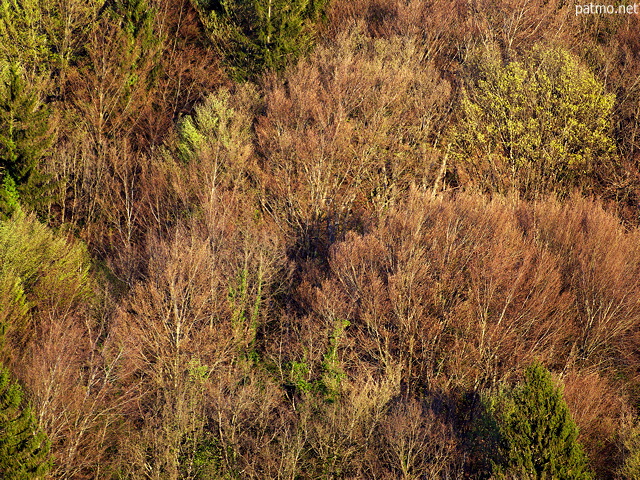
{"points": [[39, 271], [630, 443], [218, 137], [536, 124], [22, 25], [217, 128]]}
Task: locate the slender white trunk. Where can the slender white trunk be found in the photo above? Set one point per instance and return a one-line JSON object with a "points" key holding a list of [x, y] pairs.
{"points": [[269, 23]]}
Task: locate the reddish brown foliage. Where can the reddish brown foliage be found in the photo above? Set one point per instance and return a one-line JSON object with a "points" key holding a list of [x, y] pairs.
{"points": [[407, 303]]}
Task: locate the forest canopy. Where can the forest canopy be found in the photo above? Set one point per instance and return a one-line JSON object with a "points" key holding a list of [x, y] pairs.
{"points": [[319, 239]]}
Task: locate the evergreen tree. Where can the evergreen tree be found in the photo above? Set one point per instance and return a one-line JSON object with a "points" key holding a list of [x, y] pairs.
{"points": [[24, 449], [24, 38], [254, 35], [538, 437], [24, 139], [629, 436]]}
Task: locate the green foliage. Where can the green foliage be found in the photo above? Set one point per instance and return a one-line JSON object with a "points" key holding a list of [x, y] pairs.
{"points": [[630, 443], [538, 437], [140, 41], [332, 372], [198, 373], [24, 139], [24, 449], [22, 21], [9, 197], [298, 375], [135, 18], [37, 270], [245, 308], [254, 35], [203, 459], [217, 140], [218, 130], [200, 453], [534, 125], [46, 36], [329, 383]]}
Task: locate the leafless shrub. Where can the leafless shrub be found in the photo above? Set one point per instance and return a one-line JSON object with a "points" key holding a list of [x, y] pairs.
{"points": [[350, 127], [601, 262], [443, 276], [417, 444], [73, 385], [598, 409]]}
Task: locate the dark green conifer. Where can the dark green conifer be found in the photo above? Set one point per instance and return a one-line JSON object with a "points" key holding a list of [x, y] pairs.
{"points": [[24, 139], [254, 35], [24, 449], [537, 433]]}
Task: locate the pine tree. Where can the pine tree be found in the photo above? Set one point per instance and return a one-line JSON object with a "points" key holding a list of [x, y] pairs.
{"points": [[24, 449], [24, 139], [254, 35], [537, 434]]}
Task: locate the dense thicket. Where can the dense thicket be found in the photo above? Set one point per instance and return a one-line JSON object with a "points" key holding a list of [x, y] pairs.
{"points": [[320, 240]]}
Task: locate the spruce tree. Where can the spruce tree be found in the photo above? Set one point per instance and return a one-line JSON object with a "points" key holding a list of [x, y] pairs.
{"points": [[254, 35], [24, 449], [24, 139], [25, 41], [538, 437]]}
